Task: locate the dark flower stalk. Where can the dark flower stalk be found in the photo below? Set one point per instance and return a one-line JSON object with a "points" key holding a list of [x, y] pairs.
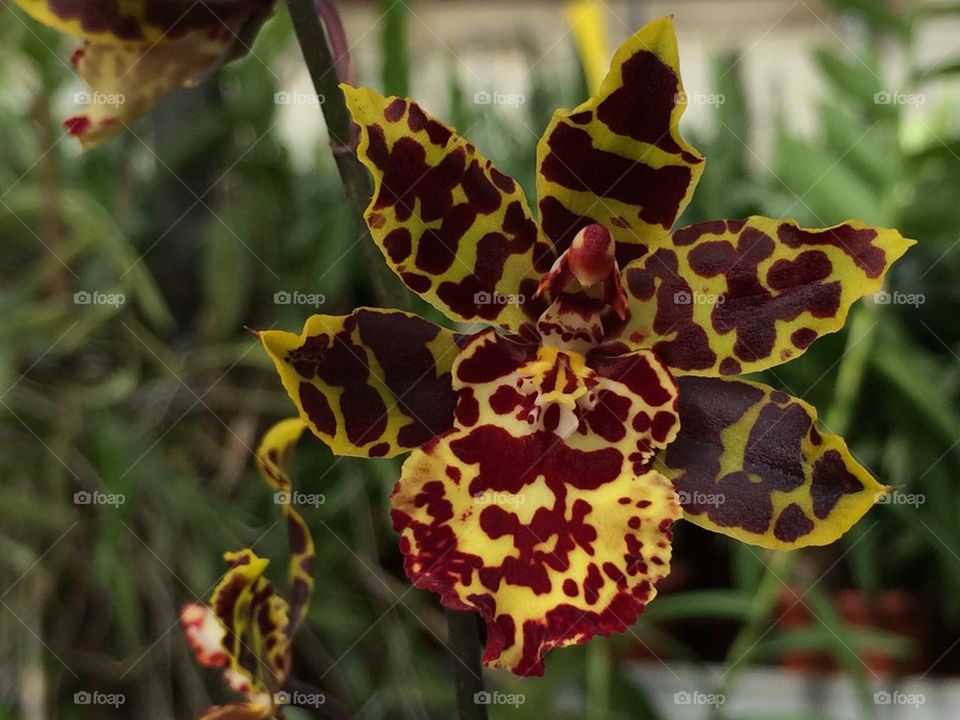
{"points": [[327, 55], [325, 50]]}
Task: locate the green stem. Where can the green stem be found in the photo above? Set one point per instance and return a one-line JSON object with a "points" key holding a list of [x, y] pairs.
{"points": [[316, 48], [862, 324], [599, 672], [463, 640], [763, 607]]}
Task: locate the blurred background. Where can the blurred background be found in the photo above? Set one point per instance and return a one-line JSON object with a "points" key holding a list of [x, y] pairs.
{"points": [[130, 394]]}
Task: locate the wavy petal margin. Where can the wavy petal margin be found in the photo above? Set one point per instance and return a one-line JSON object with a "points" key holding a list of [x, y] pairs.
{"points": [[374, 383], [137, 51], [618, 159], [738, 296], [456, 230], [128, 81], [251, 622], [273, 459], [750, 463], [550, 545]]}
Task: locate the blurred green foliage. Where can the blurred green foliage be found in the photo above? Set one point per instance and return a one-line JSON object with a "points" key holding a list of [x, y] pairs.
{"points": [[203, 212]]}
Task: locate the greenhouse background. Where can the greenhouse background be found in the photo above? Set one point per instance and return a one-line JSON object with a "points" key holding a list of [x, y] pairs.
{"points": [[223, 211]]}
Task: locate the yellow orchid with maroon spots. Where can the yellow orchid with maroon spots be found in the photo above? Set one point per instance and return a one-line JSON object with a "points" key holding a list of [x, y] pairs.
{"points": [[136, 51], [553, 451], [247, 628]]}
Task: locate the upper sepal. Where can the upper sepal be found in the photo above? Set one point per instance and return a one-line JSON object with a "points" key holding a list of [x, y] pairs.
{"points": [[618, 159]]}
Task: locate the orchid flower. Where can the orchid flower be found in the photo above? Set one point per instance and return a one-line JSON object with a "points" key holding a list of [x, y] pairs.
{"points": [[134, 52], [247, 628], [553, 450]]}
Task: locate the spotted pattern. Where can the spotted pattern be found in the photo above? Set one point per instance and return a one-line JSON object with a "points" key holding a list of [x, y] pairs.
{"points": [[627, 403], [549, 544], [250, 621], [544, 483], [457, 231], [750, 462], [732, 297], [139, 21], [539, 509], [247, 628], [127, 81], [137, 51], [273, 460], [618, 159], [374, 383]]}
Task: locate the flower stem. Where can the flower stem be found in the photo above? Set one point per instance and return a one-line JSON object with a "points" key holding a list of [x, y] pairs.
{"points": [[463, 640], [318, 29], [598, 680], [764, 604]]}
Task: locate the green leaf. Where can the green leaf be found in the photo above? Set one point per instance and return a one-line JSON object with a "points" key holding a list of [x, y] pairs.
{"points": [[877, 14], [701, 604], [395, 52]]}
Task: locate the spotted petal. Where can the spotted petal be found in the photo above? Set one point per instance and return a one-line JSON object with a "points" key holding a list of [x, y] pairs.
{"points": [[627, 403], [455, 230], [372, 383], [251, 622], [749, 462], [137, 51], [549, 544], [618, 159], [273, 459], [731, 297], [127, 81], [137, 21]]}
